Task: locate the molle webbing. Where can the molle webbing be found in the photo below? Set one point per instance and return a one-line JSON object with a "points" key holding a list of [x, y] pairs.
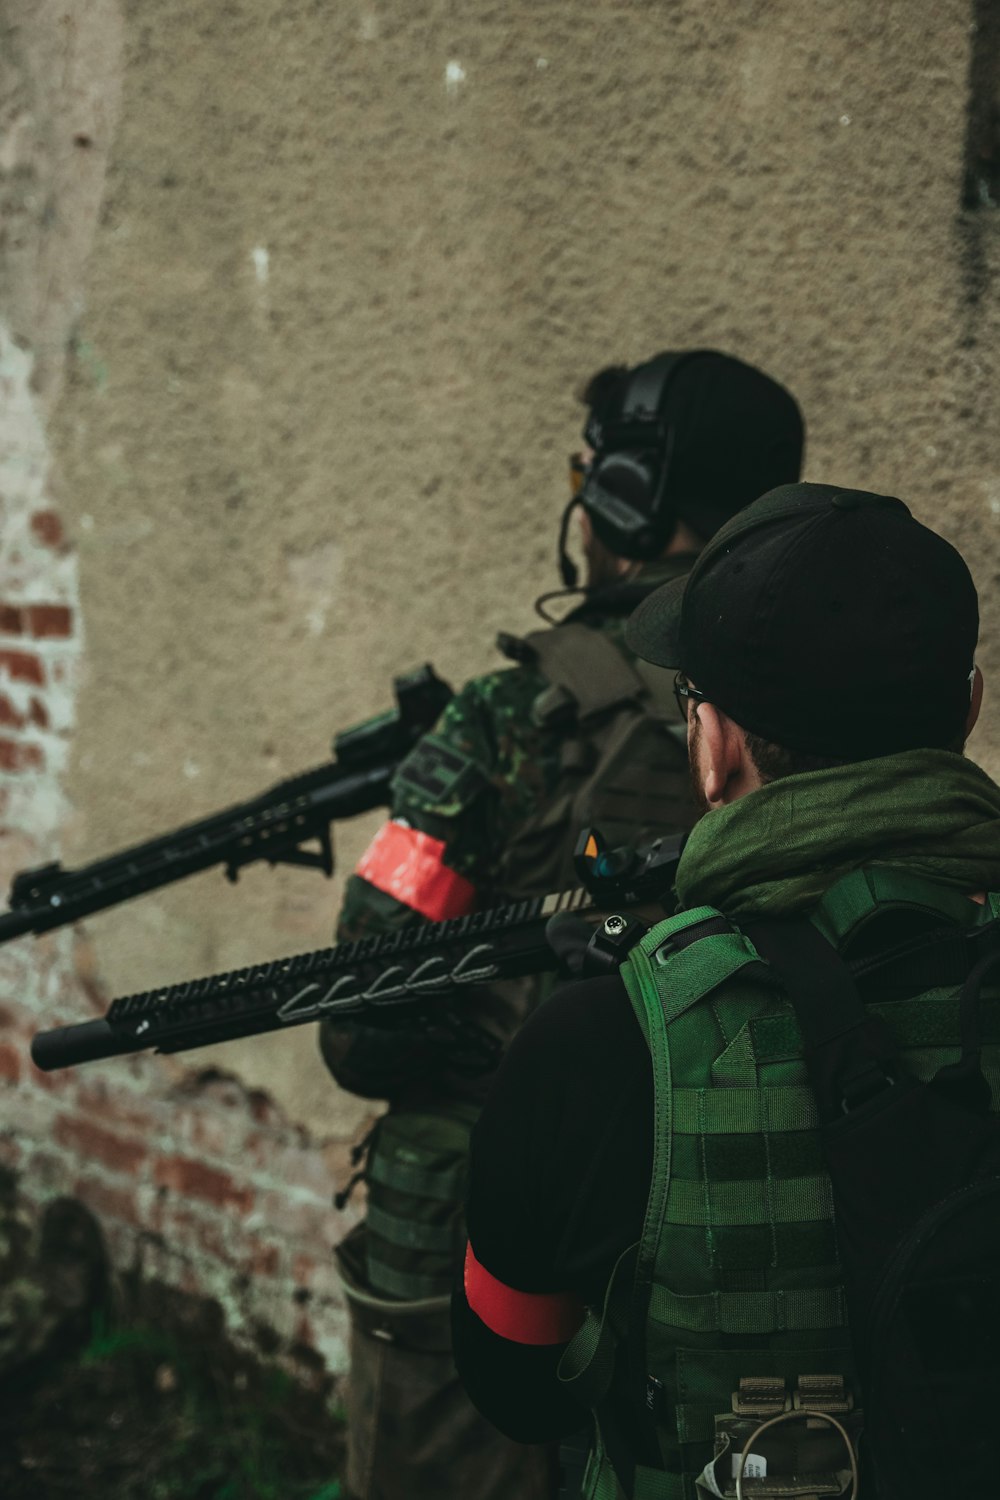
{"points": [[740, 1209], [621, 756], [866, 894], [588, 666], [416, 1175], [739, 1213]]}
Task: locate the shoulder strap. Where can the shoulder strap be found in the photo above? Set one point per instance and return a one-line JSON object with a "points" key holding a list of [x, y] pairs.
{"points": [[675, 965], [702, 950], [850, 1054], [587, 665], [865, 893]]}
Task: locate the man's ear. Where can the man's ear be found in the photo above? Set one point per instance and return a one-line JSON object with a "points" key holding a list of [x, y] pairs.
{"points": [[722, 754], [975, 702]]}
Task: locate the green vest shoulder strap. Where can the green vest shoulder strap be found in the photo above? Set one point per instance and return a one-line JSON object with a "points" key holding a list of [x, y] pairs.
{"points": [[704, 950], [868, 894]]}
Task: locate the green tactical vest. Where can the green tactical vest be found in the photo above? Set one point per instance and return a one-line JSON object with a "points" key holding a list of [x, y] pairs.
{"points": [[736, 1276], [622, 757]]}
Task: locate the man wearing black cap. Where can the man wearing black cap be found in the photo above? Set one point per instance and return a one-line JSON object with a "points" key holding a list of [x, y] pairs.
{"points": [[650, 1143], [487, 809]]}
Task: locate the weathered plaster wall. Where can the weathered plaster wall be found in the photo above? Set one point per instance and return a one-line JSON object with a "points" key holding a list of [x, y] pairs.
{"points": [[196, 1179], [351, 263], [348, 265]]}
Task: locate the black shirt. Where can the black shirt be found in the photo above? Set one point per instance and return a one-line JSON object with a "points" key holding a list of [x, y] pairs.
{"points": [[560, 1170]]}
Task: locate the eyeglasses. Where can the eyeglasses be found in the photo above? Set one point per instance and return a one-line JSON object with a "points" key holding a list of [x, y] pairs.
{"points": [[685, 694], [578, 471]]}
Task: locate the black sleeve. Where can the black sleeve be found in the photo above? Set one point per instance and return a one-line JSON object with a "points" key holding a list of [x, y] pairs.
{"points": [[559, 1176]]}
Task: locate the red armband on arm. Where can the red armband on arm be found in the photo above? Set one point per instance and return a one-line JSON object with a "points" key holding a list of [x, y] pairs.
{"points": [[409, 866], [520, 1317]]}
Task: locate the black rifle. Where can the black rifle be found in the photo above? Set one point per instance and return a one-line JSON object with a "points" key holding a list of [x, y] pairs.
{"points": [[381, 978], [273, 826]]}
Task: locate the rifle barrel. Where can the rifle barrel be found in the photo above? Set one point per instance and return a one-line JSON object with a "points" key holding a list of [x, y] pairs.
{"points": [[272, 826], [374, 977], [268, 827]]}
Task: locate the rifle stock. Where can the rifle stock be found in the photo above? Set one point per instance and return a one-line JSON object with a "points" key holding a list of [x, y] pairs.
{"points": [[376, 978], [273, 827]]}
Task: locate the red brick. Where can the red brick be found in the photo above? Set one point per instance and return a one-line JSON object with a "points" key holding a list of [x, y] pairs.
{"points": [[93, 1142], [10, 714], [11, 619], [10, 1151], [304, 1270], [263, 1260], [120, 1110], [50, 620], [38, 713], [47, 527], [22, 666], [194, 1180], [46, 1172], [21, 755], [304, 1332], [10, 1063], [188, 1232], [210, 1133], [311, 1225], [108, 1200], [51, 1083]]}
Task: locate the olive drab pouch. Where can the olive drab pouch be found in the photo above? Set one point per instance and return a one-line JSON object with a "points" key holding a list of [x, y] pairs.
{"points": [[412, 1432], [416, 1173], [622, 755], [915, 1168], [779, 1443]]}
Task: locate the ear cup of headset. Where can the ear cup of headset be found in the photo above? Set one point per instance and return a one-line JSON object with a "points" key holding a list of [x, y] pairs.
{"points": [[699, 447], [625, 491], [619, 495]]}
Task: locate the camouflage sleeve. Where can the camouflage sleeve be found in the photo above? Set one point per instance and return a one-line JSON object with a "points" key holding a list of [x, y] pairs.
{"points": [[462, 785], [484, 765]]}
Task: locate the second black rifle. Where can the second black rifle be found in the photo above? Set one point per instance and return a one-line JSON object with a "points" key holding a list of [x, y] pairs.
{"points": [[275, 826]]}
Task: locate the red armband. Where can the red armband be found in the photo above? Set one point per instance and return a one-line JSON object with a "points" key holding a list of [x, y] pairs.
{"points": [[521, 1317], [409, 866]]}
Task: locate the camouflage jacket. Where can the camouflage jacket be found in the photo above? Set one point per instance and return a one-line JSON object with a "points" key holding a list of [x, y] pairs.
{"points": [[510, 764]]}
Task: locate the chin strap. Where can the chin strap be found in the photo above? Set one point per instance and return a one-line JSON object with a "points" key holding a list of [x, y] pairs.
{"points": [[567, 567]]}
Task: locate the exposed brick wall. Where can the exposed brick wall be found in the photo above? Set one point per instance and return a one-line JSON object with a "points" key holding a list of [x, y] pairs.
{"points": [[197, 1180]]}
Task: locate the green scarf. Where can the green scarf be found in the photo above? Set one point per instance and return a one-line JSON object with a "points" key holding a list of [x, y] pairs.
{"points": [[778, 849]]}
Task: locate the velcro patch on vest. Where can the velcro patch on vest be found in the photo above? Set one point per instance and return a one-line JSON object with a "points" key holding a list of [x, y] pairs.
{"points": [[438, 776], [409, 866]]}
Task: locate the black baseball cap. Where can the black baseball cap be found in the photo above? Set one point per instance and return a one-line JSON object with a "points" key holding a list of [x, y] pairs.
{"points": [[825, 620]]}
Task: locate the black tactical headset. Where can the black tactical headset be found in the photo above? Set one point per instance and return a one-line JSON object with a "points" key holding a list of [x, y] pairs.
{"points": [[738, 429]]}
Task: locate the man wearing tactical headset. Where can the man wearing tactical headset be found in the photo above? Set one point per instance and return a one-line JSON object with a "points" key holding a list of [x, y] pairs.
{"points": [[487, 808]]}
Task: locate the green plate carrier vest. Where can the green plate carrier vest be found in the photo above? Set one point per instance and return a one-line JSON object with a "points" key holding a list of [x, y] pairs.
{"points": [[736, 1276]]}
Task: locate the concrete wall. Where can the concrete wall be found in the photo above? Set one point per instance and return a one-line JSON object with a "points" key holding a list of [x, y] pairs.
{"points": [[294, 300]]}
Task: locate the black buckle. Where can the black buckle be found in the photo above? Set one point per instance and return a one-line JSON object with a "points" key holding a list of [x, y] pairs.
{"points": [[865, 1086]]}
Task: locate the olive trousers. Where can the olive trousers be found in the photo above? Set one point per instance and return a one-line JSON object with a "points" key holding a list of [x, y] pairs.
{"points": [[412, 1432]]}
